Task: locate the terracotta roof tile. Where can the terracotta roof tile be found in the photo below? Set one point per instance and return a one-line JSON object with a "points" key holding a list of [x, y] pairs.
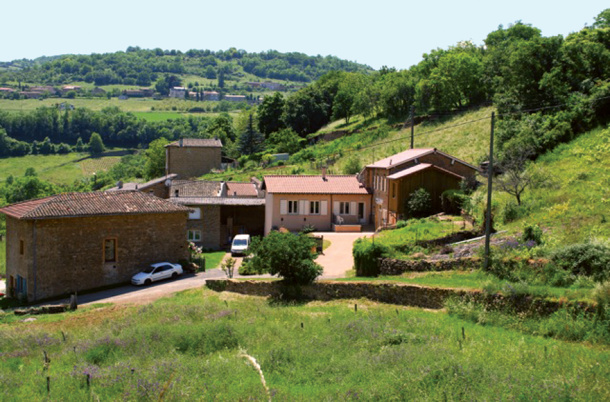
{"points": [[300, 184], [91, 204], [197, 142], [195, 188], [241, 189]]}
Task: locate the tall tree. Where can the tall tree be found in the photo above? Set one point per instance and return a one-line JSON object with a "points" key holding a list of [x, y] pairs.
{"points": [[270, 114], [251, 141], [155, 158], [96, 145]]}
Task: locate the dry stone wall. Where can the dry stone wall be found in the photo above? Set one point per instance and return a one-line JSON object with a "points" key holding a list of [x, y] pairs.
{"points": [[391, 266]]}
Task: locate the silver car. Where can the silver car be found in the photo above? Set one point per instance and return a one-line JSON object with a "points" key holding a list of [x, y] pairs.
{"points": [[157, 272]]}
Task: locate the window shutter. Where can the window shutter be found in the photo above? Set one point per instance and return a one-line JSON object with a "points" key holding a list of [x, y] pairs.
{"points": [[336, 208], [304, 207], [324, 207], [352, 208], [283, 207]]}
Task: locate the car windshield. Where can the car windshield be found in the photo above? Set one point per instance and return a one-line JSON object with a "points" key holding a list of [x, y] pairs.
{"points": [[240, 242], [149, 270]]}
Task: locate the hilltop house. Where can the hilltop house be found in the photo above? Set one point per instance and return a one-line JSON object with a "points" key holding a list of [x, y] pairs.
{"points": [[393, 179], [78, 241], [193, 157], [326, 202]]}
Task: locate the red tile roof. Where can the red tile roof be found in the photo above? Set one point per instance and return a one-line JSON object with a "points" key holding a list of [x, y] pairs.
{"points": [[300, 184], [241, 189], [91, 204], [401, 157], [419, 168], [197, 142]]}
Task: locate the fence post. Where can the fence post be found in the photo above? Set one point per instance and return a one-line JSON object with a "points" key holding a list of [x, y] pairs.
{"points": [[202, 265]]}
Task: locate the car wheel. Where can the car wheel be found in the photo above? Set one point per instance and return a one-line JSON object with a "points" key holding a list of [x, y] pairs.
{"points": [[147, 282], [174, 275]]}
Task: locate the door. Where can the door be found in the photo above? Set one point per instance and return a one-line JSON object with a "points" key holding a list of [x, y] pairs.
{"points": [[361, 213]]}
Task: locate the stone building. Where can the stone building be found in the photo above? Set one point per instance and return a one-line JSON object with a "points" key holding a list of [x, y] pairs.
{"points": [[193, 157], [78, 241]]}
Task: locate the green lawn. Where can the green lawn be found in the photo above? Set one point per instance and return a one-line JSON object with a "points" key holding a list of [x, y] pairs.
{"points": [[479, 280], [59, 169], [195, 346], [213, 259]]}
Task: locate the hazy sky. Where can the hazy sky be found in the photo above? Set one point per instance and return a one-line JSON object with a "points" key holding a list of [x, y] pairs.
{"points": [[373, 32]]}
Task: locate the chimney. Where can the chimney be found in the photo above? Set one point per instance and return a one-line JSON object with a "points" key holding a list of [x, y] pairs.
{"points": [[176, 193], [234, 193], [136, 186], [181, 142], [119, 184], [324, 173]]}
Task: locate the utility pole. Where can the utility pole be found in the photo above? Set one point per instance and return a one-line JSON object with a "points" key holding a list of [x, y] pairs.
{"points": [[490, 174], [412, 124]]}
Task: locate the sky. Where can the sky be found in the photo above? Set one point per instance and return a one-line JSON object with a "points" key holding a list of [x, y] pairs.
{"points": [[373, 32]]}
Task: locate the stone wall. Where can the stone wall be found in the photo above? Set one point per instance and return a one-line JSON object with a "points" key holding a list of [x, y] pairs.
{"points": [[209, 225], [65, 255], [394, 293], [390, 266], [189, 162]]}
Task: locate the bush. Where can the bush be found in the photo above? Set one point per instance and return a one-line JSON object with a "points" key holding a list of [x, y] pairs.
{"points": [[588, 259], [366, 256], [401, 224], [353, 165], [451, 201], [532, 233], [287, 255], [246, 268], [419, 204]]}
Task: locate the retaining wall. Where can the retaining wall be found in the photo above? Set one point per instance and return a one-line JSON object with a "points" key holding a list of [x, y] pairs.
{"points": [[391, 266], [393, 293]]}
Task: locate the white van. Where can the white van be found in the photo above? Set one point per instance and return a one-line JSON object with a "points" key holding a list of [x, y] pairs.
{"points": [[240, 244]]}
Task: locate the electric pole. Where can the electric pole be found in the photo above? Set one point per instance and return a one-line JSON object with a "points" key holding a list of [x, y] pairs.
{"points": [[490, 174]]}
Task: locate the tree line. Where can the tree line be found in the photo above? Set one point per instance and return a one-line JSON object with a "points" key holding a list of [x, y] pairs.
{"points": [[144, 67], [525, 75]]}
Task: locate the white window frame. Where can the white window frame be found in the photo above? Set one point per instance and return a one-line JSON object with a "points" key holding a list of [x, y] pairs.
{"points": [[195, 213], [314, 207], [193, 235], [293, 207]]}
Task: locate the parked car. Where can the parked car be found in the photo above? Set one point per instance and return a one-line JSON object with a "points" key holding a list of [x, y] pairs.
{"points": [[157, 272], [240, 244]]}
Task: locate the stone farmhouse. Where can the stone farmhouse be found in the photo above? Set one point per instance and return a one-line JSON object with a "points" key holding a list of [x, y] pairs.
{"points": [[392, 180], [78, 241], [193, 157]]}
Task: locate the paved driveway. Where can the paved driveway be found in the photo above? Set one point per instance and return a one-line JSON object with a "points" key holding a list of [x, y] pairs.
{"points": [[337, 259]]}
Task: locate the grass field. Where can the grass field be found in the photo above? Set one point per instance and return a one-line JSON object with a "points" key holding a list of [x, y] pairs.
{"points": [[58, 169], [195, 346]]}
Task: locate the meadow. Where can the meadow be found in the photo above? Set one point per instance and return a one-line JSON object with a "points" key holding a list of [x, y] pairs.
{"points": [[195, 346]]}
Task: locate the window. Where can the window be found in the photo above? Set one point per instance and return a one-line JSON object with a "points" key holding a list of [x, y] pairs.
{"points": [[195, 213], [110, 250], [314, 207], [21, 247], [194, 235], [293, 207], [393, 190], [344, 208]]}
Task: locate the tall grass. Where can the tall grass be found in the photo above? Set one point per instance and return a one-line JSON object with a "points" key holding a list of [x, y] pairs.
{"points": [[190, 347]]}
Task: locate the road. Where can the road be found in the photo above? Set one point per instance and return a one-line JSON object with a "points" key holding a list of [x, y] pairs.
{"points": [[336, 260]]}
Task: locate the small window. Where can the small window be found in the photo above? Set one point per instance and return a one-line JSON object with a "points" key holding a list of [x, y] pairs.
{"points": [[314, 207], [194, 235], [393, 190], [293, 207], [344, 208], [195, 213], [21, 247], [110, 250]]}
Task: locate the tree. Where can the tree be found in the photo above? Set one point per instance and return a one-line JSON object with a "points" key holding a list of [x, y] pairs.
{"points": [[287, 255], [285, 140], [210, 73], [270, 114], [96, 145], [603, 19], [516, 176], [353, 165], [155, 158], [419, 203], [251, 141]]}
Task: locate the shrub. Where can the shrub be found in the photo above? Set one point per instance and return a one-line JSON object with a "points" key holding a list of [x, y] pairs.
{"points": [[246, 268], [366, 256], [588, 259], [287, 255], [419, 203], [451, 201], [308, 228], [510, 212], [532, 233], [401, 224], [353, 165]]}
